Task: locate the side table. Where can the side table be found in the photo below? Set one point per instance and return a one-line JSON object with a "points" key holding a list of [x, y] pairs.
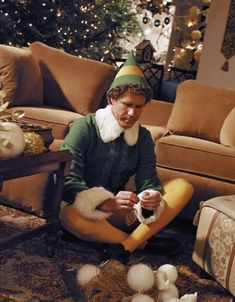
{"points": [[58, 163]]}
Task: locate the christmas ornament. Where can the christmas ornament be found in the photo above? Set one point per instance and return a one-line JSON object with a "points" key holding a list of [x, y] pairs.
{"points": [[12, 141], [110, 284], [166, 276], [194, 11], [169, 293], [189, 298], [140, 277], [86, 273], [196, 34], [113, 281], [161, 281], [172, 299], [33, 143], [115, 270], [197, 54], [170, 271], [142, 298]]}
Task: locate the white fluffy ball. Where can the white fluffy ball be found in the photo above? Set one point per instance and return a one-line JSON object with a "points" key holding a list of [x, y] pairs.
{"points": [[86, 272], [140, 277], [142, 298], [170, 271]]}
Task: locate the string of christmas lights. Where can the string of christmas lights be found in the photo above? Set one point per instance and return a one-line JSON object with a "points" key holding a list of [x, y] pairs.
{"points": [[90, 29], [188, 29]]}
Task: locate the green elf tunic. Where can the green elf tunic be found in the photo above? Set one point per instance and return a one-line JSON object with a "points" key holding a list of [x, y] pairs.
{"points": [[105, 156]]}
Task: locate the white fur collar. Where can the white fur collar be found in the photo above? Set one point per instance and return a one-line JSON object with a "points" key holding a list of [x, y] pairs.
{"points": [[110, 129]]}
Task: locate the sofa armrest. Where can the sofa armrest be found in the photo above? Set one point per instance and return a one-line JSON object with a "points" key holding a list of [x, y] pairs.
{"points": [[156, 113]]}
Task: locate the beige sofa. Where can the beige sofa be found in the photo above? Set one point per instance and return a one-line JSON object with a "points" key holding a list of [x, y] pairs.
{"points": [[194, 137]]}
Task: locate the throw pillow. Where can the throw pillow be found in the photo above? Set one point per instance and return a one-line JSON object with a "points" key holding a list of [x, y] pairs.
{"points": [[20, 77], [70, 82], [200, 110], [227, 133]]}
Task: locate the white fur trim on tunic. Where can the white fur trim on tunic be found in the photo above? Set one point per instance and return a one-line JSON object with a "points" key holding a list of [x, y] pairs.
{"points": [[87, 201], [110, 129], [156, 213]]}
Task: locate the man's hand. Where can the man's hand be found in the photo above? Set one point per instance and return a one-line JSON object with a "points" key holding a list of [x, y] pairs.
{"points": [[122, 201], [150, 200]]}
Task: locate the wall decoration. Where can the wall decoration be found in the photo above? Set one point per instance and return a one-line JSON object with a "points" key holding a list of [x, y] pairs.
{"points": [[228, 46], [156, 20], [144, 51]]}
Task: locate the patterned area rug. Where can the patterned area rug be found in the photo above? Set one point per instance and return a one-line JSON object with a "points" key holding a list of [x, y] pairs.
{"points": [[28, 275]]}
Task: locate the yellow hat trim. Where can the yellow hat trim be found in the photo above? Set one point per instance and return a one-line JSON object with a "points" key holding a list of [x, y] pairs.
{"points": [[130, 70]]}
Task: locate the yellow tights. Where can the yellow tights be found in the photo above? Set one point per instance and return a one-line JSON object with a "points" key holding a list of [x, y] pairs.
{"points": [[177, 194]]}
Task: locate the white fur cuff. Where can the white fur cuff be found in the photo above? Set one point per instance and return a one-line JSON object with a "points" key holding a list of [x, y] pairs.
{"points": [[156, 213], [87, 201]]}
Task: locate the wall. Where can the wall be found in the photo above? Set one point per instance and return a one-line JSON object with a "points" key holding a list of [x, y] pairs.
{"points": [[177, 36], [212, 59]]}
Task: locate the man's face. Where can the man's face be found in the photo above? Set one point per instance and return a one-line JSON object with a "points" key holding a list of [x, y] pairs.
{"points": [[127, 109]]}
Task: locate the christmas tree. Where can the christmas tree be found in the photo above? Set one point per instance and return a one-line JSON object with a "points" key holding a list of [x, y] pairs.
{"points": [[90, 29]]}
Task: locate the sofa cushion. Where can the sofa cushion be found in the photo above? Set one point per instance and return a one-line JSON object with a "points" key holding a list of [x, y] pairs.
{"points": [[20, 77], [70, 82], [227, 133], [196, 156], [200, 110]]}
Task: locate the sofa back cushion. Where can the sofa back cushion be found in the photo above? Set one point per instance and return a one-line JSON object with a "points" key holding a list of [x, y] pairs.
{"points": [[200, 110], [20, 77], [70, 82]]}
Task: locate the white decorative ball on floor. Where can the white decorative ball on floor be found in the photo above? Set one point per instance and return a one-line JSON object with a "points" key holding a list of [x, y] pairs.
{"points": [[142, 298], [12, 141], [140, 277], [86, 273], [173, 299], [169, 293], [170, 271], [189, 298]]}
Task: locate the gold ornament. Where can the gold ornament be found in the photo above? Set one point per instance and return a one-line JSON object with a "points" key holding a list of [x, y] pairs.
{"points": [[190, 21], [197, 55], [194, 11], [196, 34], [33, 143]]}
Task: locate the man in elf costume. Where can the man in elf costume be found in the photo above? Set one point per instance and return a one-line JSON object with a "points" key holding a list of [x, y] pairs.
{"points": [[108, 147]]}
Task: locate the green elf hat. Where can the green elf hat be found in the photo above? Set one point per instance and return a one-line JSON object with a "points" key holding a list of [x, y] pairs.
{"points": [[129, 73]]}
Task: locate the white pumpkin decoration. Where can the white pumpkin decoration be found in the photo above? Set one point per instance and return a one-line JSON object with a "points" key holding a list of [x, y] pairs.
{"points": [[12, 141]]}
